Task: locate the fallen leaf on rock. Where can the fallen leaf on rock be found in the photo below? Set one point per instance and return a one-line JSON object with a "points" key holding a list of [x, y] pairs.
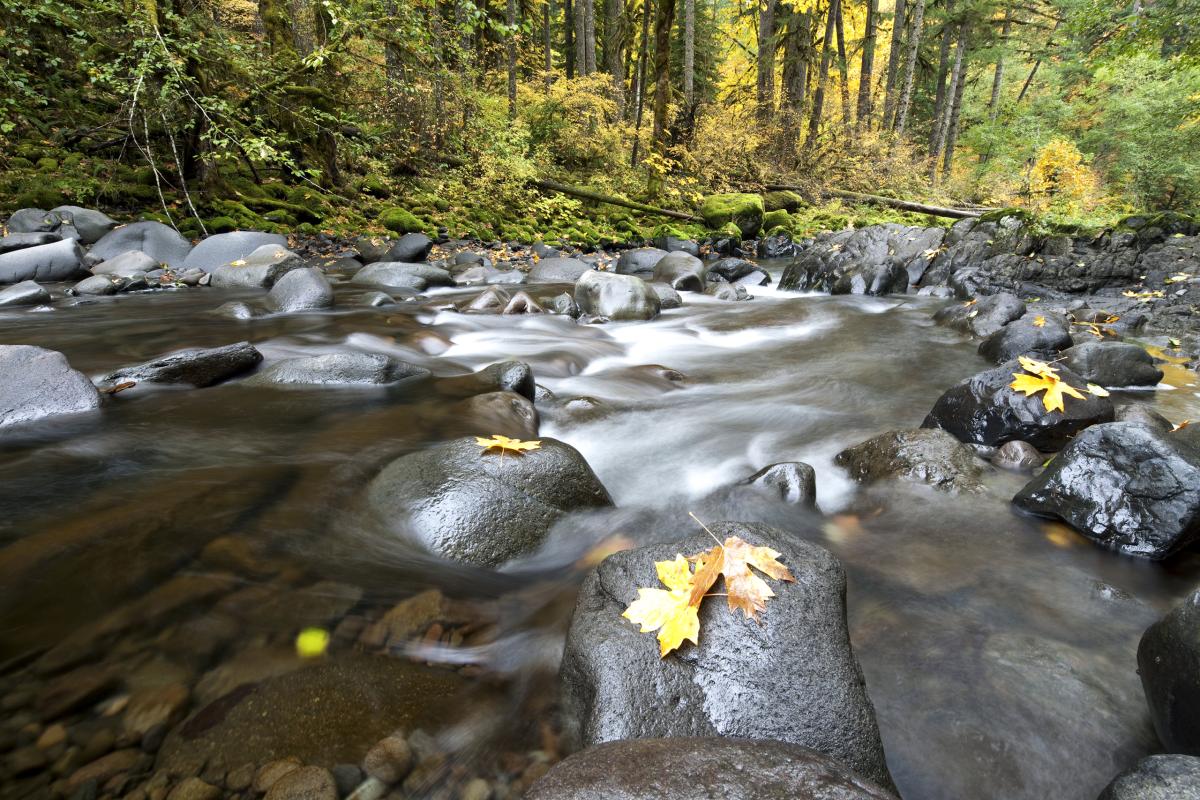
{"points": [[669, 611], [1044, 378], [1039, 321], [1098, 391], [971, 302], [505, 444], [312, 642]]}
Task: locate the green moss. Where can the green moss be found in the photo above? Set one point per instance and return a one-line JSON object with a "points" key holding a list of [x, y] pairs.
{"points": [[744, 210], [43, 197], [782, 200], [374, 186], [1001, 213], [1156, 219], [144, 176], [19, 162], [72, 161], [47, 164], [280, 217], [29, 151], [400, 220], [221, 225], [307, 229], [777, 219]]}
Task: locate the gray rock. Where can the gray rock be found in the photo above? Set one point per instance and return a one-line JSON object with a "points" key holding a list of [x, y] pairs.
{"points": [[792, 482], [1018, 455], [1112, 364], [235, 309], [617, 297], [639, 260], [20, 241], [346, 369], [738, 270], [681, 271], [790, 677], [1169, 663], [261, 269], [37, 383], [57, 261], [983, 316], [376, 300], [492, 300], [304, 289], [1165, 777], [1023, 337], [702, 769], [412, 247], [372, 248], [558, 270], [162, 243], [1126, 486], [91, 225], [925, 455], [855, 261], [983, 409], [483, 508], [199, 367], [564, 304], [732, 292], [543, 250], [667, 297], [126, 265], [1137, 412], [225, 248], [99, 285], [33, 220], [25, 293], [401, 275], [522, 303]]}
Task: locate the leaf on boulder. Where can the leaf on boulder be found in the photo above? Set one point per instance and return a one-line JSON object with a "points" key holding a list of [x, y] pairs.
{"points": [[669, 611], [505, 444], [1039, 321], [1041, 377], [1098, 391]]}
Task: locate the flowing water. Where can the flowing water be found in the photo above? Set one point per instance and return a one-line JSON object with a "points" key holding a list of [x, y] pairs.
{"points": [[999, 651]]}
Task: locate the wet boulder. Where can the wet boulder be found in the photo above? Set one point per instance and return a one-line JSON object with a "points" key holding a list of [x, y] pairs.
{"points": [[226, 248], [33, 220], [1126, 486], [162, 243], [20, 241], [401, 275], [742, 209], [1112, 364], [491, 300], [615, 685], [504, 413], [198, 367], [37, 383], [463, 503], [261, 269], [305, 289], [673, 244], [1162, 777], [523, 303], [639, 260], [340, 369], [738, 270], [681, 271], [91, 225], [98, 286], [1018, 456], [617, 297], [506, 376], [1034, 333], [1169, 664], [984, 409], [924, 455], [57, 261], [558, 270], [563, 304], [983, 316], [126, 265], [733, 292], [791, 482], [411, 248], [25, 293], [847, 262], [709, 767]]}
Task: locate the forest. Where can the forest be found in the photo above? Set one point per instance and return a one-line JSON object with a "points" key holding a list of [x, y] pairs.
{"points": [[420, 115]]}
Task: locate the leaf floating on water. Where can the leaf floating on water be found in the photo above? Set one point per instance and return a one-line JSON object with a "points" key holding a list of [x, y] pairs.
{"points": [[1039, 321], [312, 642], [1098, 391], [505, 444]]}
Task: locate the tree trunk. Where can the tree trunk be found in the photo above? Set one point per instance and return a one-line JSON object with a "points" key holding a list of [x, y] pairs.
{"points": [[766, 58], [548, 40], [614, 49], [643, 56], [663, 21], [843, 70], [943, 72], [569, 36], [916, 28], [960, 63], [510, 47], [580, 21], [796, 56], [998, 76], [589, 30], [893, 70], [943, 124], [814, 119], [689, 53], [863, 120]]}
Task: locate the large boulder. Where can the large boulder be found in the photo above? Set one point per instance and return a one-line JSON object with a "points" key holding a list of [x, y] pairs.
{"points": [[791, 676], [341, 369], [19, 241], [983, 316], [1125, 485], [401, 275], [738, 270], [1169, 664], [261, 269], [618, 297], [197, 367], [126, 265], [33, 220], [702, 769], [1034, 333], [411, 248], [1163, 777], [792, 482], [226, 248], [984, 409], [483, 507], [25, 293], [304, 289], [91, 225], [925, 455], [847, 262], [57, 261], [162, 243], [639, 260], [743, 210], [558, 270], [1113, 364], [37, 383], [682, 271]]}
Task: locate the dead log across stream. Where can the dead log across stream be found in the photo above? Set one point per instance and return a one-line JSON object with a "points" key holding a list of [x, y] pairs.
{"points": [[588, 194], [874, 199]]}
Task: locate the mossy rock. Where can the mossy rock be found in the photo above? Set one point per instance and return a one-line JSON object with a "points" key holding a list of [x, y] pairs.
{"points": [[307, 229], [777, 219], [744, 210], [190, 228], [246, 187], [144, 176], [243, 218], [1001, 213], [72, 161], [29, 151], [400, 220], [374, 186], [221, 225], [47, 164], [280, 217], [43, 197], [20, 162], [154, 216], [782, 200], [1165, 220]]}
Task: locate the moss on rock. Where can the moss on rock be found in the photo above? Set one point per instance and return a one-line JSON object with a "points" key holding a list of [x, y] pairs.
{"points": [[400, 220], [782, 200], [777, 219], [744, 210]]}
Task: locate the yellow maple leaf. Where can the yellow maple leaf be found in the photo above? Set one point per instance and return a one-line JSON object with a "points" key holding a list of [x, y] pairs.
{"points": [[743, 588], [1098, 391], [669, 611], [1039, 321], [1037, 367], [1051, 384], [505, 444]]}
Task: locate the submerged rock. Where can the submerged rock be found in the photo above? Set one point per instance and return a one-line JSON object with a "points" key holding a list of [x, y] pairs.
{"points": [[345, 369], [1169, 663], [791, 676], [37, 383], [1112, 364], [792, 482], [1124, 485], [162, 243], [1164, 777], [480, 507], [617, 297], [711, 767], [196, 367], [56, 261], [924, 455]]}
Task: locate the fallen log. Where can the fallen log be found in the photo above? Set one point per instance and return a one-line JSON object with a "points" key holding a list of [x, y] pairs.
{"points": [[890, 202], [588, 194]]}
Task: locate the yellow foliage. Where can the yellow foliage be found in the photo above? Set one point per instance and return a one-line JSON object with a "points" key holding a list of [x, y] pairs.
{"points": [[1061, 179]]}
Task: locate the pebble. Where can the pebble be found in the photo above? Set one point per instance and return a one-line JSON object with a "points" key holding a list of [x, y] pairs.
{"points": [[305, 783], [272, 771], [159, 705], [194, 789], [26, 761], [476, 789], [240, 778], [54, 735], [105, 768], [97, 745], [346, 776], [370, 789], [389, 760]]}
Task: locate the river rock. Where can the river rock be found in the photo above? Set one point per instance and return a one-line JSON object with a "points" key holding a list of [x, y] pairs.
{"points": [[1019, 456], [1024, 337], [639, 260], [792, 482], [673, 244], [411, 248], [483, 507], [126, 265], [33, 220], [563, 304], [738, 270], [522, 303], [1163, 777], [25, 293], [558, 270], [732, 292], [505, 413], [344, 369], [20, 241], [260, 269], [56, 261], [226, 248], [161, 242], [668, 298], [1112, 364], [682, 271], [848, 262], [305, 783], [703, 769], [791, 676], [90, 224], [1138, 412], [199, 367], [924, 455], [617, 297], [401, 275], [305, 289], [983, 409], [1124, 485], [983, 316], [511, 376], [98, 286], [37, 383], [1169, 663]]}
